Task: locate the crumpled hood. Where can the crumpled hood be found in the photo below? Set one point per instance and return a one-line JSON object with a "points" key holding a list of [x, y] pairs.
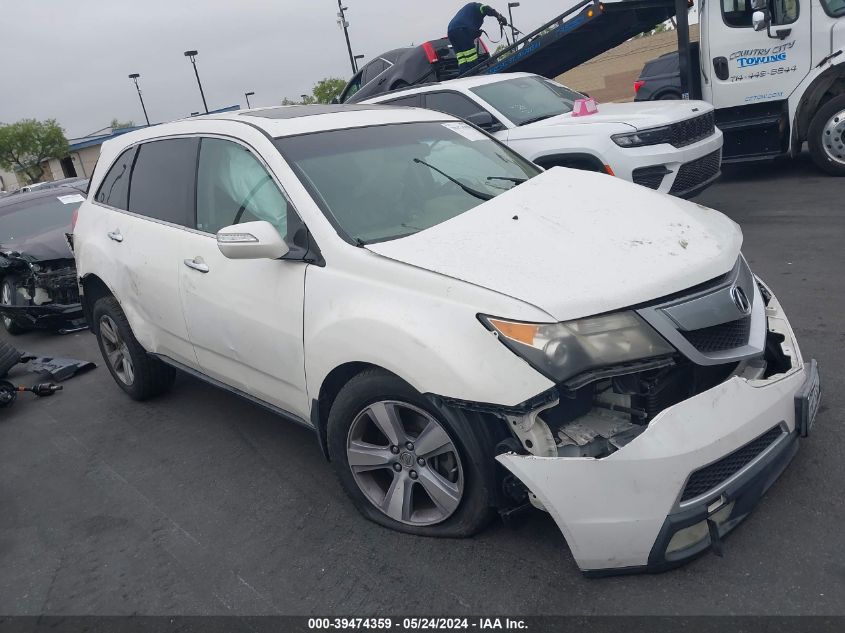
{"points": [[576, 243], [43, 247], [639, 115]]}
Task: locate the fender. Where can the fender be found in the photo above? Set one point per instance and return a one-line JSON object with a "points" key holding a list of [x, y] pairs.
{"points": [[828, 83], [590, 161]]}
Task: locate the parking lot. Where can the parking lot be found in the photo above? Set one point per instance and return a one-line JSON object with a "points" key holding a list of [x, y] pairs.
{"points": [[201, 503]]}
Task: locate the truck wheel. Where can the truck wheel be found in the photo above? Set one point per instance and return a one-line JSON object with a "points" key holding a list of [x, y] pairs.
{"points": [[400, 462], [10, 297], [140, 375], [9, 357], [826, 137]]}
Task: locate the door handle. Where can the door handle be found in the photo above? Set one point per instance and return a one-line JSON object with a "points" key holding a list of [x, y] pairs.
{"points": [[197, 264], [115, 236], [720, 67]]}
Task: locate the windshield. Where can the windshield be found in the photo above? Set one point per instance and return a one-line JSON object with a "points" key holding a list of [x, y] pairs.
{"points": [[528, 99], [385, 182], [834, 7], [36, 217]]}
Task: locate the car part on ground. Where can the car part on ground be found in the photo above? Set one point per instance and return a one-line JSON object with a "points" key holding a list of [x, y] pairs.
{"points": [[9, 357], [673, 147], [9, 391], [430, 272], [38, 285]]}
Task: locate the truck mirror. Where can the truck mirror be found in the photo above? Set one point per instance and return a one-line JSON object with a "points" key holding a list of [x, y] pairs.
{"points": [[760, 20]]}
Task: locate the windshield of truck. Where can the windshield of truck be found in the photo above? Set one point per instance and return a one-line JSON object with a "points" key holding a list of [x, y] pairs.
{"points": [[526, 100], [390, 181], [834, 7]]}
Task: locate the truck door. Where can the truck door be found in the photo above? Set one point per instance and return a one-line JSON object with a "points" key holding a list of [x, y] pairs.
{"points": [[741, 66]]}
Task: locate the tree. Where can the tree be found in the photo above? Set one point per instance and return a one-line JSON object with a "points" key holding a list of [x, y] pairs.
{"points": [[119, 125], [26, 144], [327, 89]]}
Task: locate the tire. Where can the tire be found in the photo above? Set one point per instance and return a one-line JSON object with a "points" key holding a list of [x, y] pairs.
{"points": [[372, 390], [136, 372], [826, 137], [11, 297], [9, 357]]}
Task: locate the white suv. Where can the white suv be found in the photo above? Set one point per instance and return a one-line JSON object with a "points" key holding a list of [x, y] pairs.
{"points": [[670, 146], [463, 331]]}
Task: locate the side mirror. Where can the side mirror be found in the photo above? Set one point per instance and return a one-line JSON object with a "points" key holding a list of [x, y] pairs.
{"points": [[760, 20], [251, 240], [484, 120], [335, 100]]}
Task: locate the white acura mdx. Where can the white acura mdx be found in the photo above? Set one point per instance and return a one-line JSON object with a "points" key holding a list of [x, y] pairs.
{"points": [[670, 146], [463, 331]]}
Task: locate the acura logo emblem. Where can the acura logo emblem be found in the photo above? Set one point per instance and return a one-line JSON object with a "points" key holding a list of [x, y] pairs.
{"points": [[740, 300]]}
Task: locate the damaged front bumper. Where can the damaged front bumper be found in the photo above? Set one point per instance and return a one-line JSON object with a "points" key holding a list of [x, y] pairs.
{"points": [[690, 477], [51, 316]]}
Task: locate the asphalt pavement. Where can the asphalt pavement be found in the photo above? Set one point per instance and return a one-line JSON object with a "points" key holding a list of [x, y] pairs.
{"points": [[201, 503]]}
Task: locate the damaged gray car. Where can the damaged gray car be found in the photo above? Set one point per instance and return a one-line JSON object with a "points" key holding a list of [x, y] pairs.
{"points": [[37, 271]]}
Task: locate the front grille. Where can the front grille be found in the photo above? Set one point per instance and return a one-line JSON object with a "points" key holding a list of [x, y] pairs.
{"points": [[696, 172], [717, 473], [692, 130], [651, 177], [718, 338]]}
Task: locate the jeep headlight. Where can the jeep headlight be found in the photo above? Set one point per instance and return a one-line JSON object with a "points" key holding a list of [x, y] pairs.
{"points": [[652, 136], [562, 350]]}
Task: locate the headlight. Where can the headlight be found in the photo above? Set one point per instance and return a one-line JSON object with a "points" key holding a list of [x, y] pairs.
{"points": [[562, 350], [653, 136]]}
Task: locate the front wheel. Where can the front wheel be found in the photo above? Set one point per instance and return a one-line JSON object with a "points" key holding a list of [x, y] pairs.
{"points": [[9, 297], [140, 375], [826, 137], [401, 462]]}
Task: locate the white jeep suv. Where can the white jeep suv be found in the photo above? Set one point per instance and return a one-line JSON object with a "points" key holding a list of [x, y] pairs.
{"points": [[462, 331], [670, 146]]}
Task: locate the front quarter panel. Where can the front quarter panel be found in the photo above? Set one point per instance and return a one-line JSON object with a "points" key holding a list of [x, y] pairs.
{"points": [[421, 326]]}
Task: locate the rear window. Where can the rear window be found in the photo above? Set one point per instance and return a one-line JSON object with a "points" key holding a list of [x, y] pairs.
{"points": [[164, 181], [39, 216]]}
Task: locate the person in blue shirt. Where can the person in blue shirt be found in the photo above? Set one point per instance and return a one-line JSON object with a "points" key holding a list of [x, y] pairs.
{"points": [[465, 28]]}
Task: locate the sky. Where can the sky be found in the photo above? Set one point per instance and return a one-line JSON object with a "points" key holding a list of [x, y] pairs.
{"points": [[70, 59]]}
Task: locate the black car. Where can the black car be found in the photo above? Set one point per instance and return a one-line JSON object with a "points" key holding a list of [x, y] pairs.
{"points": [[660, 78], [430, 61], [38, 287]]}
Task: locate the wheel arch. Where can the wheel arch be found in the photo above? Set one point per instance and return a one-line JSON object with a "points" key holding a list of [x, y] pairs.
{"points": [[574, 160], [827, 85], [93, 289]]}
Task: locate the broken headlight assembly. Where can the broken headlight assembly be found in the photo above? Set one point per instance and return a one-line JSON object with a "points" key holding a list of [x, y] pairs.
{"points": [[562, 350], [653, 136]]}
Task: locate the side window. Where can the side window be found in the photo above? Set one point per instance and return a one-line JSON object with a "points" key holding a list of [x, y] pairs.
{"points": [[452, 103], [373, 70], [234, 187], [784, 11], [353, 87], [114, 191], [163, 180], [412, 101]]}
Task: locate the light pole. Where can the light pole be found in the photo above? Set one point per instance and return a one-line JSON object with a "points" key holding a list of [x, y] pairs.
{"points": [[345, 26], [511, 7], [248, 95], [193, 56], [357, 57], [134, 77]]}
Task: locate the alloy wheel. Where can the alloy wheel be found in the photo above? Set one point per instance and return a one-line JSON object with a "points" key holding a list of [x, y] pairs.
{"points": [[117, 353], [833, 138], [405, 463]]}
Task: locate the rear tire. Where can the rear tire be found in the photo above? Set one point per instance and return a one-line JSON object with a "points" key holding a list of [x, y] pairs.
{"points": [[10, 297], [447, 471], [139, 374], [826, 137]]}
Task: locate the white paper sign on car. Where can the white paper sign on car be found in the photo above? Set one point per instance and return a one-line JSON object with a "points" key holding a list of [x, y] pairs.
{"points": [[465, 130], [75, 197]]}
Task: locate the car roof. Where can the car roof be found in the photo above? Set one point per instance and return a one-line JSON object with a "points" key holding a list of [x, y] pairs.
{"points": [[463, 82]]}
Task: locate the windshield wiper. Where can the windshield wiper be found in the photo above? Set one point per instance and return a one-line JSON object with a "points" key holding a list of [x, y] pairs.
{"points": [[536, 119], [473, 192], [516, 181]]}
